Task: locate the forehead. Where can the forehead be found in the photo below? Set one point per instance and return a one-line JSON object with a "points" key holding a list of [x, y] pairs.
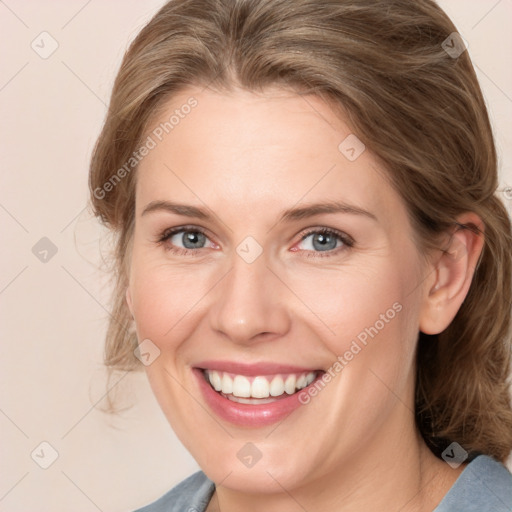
{"points": [[257, 153]]}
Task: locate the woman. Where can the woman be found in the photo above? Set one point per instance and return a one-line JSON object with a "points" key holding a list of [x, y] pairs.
{"points": [[312, 264]]}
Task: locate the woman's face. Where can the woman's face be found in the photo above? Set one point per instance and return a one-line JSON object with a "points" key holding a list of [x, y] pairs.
{"points": [[291, 259]]}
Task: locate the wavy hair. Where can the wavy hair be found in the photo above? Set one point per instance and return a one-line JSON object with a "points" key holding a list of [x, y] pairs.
{"points": [[416, 105]]}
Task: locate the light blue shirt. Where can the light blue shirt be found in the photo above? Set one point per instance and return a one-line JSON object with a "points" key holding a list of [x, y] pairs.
{"points": [[485, 485]]}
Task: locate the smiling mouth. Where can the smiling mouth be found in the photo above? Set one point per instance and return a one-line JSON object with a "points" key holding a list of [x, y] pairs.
{"points": [[258, 389]]}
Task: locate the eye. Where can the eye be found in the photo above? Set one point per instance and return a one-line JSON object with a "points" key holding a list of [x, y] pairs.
{"points": [[184, 240], [325, 241], [188, 240]]}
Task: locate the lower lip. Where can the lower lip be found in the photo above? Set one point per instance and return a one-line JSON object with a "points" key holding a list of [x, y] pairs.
{"points": [[248, 415]]}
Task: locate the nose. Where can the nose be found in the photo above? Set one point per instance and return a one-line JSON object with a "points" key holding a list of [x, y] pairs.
{"points": [[250, 303]]}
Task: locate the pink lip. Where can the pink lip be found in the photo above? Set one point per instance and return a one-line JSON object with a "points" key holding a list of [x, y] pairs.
{"points": [[248, 415], [252, 370]]}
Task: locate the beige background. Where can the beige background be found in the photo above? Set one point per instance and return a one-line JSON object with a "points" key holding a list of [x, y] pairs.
{"points": [[54, 313]]}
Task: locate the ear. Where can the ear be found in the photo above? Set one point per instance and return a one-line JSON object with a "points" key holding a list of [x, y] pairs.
{"points": [[451, 274]]}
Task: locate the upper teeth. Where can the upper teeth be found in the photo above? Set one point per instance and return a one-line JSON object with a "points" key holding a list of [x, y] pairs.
{"points": [[258, 387]]}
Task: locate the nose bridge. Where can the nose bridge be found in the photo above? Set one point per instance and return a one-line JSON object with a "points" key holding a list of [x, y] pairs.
{"points": [[246, 303]]}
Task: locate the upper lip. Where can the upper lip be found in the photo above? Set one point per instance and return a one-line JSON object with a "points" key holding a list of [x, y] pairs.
{"points": [[253, 369]]}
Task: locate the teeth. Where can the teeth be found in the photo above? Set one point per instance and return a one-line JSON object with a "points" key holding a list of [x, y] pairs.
{"points": [[216, 381], [277, 386], [241, 386], [258, 387], [227, 384], [289, 384]]}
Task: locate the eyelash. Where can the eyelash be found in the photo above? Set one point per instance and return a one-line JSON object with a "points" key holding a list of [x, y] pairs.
{"points": [[347, 241], [168, 233]]}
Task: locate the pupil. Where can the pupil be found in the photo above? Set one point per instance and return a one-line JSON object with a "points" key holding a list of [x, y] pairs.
{"points": [[193, 240], [325, 242]]}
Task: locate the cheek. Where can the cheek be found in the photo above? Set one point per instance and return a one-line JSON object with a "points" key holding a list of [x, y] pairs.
{"points": [[369, 324], [167, 299], [167, 302], [354, 303], [378, 339]]}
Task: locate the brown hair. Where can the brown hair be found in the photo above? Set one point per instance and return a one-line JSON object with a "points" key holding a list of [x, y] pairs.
{"points": [[417, 106]]}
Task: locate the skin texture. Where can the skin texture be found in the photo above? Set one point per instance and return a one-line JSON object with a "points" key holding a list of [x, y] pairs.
{"points": [[246, 158]]}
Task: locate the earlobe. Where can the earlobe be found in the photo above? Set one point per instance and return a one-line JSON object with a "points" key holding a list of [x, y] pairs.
{"points": [[452, 275]]}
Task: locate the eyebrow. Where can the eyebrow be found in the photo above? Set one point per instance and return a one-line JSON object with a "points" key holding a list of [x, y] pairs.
{"points": [[292, 214]]}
